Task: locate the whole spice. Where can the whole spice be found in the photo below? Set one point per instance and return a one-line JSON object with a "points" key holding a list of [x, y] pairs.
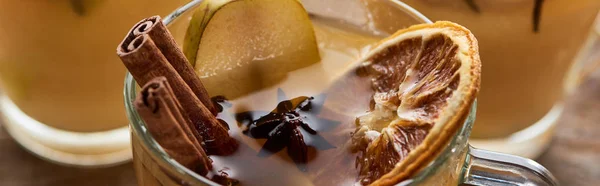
{"points": [[157, 106], [161, 36], [145, 61], [282, 127]]}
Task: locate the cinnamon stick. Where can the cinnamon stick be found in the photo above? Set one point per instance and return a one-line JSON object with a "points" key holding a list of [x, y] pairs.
{"points": [[163, 39], [145, 61], [157, 106]]}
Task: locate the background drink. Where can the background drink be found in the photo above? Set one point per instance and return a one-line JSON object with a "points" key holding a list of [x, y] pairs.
{"points": [[58, 65], [524, 61], [57, 59]]}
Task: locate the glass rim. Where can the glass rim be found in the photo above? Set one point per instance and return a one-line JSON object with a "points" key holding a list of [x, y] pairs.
{"points": [[139, 127]]}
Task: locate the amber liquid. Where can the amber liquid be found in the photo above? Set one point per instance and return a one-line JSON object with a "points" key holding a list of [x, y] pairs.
{"points": [[58, 62], [522, 70], [329, 160]]}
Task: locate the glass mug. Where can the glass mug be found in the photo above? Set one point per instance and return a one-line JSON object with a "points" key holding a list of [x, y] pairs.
{"points": [[60, 76], [527, 48], [457, 164]]}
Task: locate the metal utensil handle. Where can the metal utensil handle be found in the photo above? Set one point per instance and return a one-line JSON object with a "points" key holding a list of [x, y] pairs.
{"points": [[492, 168]]}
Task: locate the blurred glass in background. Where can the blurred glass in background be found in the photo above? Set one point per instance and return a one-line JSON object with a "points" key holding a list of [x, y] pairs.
{"points": [[61, 79], [527, 48]]}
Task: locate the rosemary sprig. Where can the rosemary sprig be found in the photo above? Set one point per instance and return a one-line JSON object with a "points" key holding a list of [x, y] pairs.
{"points": [[537, 14], [78, 7], [473, 5]]}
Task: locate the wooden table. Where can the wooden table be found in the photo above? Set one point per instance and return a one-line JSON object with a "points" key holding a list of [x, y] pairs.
{"points": [[20, 168], [573, 156]]}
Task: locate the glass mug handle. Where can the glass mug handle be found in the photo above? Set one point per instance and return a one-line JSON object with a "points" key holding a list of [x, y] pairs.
{"points": [[491, 168]]}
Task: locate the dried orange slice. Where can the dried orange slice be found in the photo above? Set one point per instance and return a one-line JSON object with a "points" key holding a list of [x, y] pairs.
{"points": [[425, 79]]}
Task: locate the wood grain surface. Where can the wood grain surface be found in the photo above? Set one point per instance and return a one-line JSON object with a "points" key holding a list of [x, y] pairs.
{"points": [[20, 168], [573, 155]]}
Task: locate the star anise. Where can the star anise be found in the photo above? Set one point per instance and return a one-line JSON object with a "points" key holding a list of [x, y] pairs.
{"points": [[291, 124]]}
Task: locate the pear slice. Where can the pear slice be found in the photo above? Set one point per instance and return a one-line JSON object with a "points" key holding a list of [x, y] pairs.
{"points": [[241, 46]]}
